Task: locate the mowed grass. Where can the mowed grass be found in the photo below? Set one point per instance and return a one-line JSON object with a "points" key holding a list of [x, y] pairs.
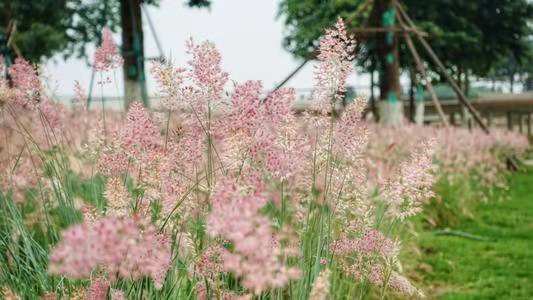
{"points": [[498, 265]]}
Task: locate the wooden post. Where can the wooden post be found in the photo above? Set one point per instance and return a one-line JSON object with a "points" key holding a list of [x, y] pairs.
{"points": [[282, 83], [510, 120], [465, 116], [528, 124], [452, 118], [520, 122], [489, 118]]}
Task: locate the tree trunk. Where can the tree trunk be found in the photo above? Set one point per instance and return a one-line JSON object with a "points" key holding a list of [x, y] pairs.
{"points": [[391, 108], [460, 79], [133, 53], [467, 82], [412, 87], [372, 96]]}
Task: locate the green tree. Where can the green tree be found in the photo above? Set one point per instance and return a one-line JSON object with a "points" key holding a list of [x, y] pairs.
{"points": [[472, 37], [509, 68], [469, 36], [45, 28]]}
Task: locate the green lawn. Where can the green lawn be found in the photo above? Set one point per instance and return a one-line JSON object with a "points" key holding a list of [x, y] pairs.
{"points": [[500, 266]]}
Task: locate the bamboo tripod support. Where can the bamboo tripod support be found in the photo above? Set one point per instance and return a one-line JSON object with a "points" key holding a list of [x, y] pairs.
{"points": [[442, 69], [423, 72]]}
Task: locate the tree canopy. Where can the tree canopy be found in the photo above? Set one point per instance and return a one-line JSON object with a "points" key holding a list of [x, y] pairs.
{"points": [[475, 35], [467, 35], [48, 27]]}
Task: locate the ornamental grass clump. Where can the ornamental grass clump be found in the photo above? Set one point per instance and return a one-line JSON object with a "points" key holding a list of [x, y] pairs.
{"points": [[470, 165], [221, 192]]}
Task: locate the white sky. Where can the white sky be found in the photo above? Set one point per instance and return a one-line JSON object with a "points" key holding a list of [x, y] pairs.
{"points": [[246, 32]]}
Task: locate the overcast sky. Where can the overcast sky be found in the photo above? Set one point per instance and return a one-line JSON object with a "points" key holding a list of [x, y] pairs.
{"points": [[246, 32]]}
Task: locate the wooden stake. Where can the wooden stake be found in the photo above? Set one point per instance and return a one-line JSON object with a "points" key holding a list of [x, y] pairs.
{"points": [[528, 124], [290, 75], [521, 123]]}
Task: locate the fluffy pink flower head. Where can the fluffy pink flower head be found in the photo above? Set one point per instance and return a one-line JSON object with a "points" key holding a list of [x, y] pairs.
{"points": [[118, 198], [19, 174], [112, 160], [24, 75], [26, 82], [98, 289], [80, 99], [127, 248], [395, 281], [245, 104], [278, 105], [412, 185], [336, 55], [351, 136], [139, 134], [106, 56], [209, 264], [371, 243], [169, 79], [117, 295], [54, 117], [255, 258], [206, 69], [358, 257]]}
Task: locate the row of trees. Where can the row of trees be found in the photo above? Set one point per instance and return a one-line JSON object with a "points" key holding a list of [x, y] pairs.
{"points": [[483, 38]]}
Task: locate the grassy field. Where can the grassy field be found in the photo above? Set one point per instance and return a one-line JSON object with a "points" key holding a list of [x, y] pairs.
{"points": [[489, 256]]}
